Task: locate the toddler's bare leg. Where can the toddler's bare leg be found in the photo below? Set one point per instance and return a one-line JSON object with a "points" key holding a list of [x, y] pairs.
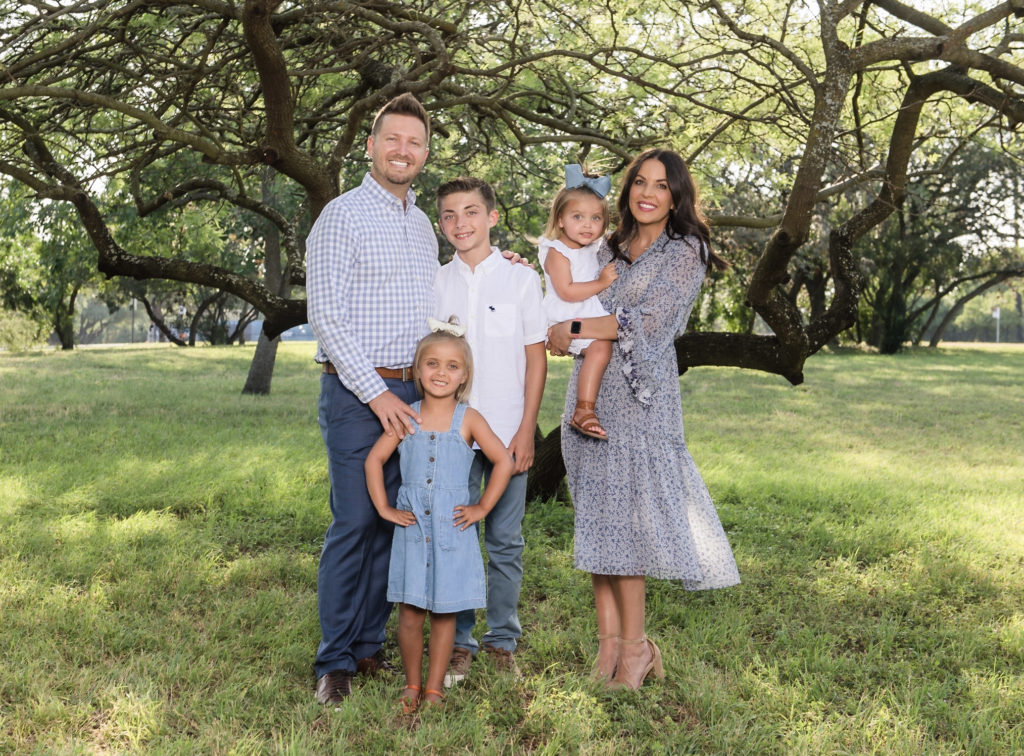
{"points": [[595, 360], [588, 383]]}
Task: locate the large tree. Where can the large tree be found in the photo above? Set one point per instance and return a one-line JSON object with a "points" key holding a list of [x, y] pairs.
{"points": [[49, 266], [189, 99], [956, 234]]}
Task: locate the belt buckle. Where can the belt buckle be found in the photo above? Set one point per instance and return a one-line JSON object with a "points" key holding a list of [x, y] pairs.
{"points": [[407, 373]]}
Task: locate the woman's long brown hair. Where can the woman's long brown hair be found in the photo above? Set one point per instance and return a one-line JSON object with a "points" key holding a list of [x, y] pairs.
{"points": [[684, 219]]}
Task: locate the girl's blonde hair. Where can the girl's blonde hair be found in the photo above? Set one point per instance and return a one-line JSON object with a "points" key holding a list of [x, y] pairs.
{"points": [[437, 337], [553, 230]]}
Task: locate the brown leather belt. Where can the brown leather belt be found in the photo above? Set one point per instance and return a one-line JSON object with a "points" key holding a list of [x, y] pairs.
{"points": [[402, 374]]}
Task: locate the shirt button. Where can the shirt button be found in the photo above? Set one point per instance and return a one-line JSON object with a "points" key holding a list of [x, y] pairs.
{"points": [[431, 436], [429, 481], [428, 539], [426, 511], [431, 459]]}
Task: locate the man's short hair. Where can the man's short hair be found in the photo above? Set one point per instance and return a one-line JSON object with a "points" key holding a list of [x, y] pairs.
{"points": [[404, 104], [467, 184]]}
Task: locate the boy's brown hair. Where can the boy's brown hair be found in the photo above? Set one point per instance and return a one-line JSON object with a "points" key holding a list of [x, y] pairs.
{"points": [[467, 184]]}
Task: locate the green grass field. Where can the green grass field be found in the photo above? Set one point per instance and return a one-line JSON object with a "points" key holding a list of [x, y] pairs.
{"points": [[159, 537]]}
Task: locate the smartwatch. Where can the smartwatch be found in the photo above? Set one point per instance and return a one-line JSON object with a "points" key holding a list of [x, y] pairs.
{"points": [[575, 327]]}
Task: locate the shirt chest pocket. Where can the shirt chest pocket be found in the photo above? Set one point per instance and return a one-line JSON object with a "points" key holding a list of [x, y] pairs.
{"points": [[500, 321]]}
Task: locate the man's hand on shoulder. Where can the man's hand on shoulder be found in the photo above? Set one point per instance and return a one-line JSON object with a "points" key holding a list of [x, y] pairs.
{"points": [[394, 414], [515, 257]]}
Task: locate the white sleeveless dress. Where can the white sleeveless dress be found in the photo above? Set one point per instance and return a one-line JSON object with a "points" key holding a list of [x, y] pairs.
{"points": [[583, 266]]}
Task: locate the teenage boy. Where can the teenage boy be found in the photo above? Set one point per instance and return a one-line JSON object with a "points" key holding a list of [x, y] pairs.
{"points": [[500, 306]]}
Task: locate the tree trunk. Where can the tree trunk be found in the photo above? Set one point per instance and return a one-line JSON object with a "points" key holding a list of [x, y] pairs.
{"points": [[1020, 319], [204, 305], [157, 319], [546, 479], [64, 322], [817, 294], [261, 369], [958, 306], [933, 311], [66, 333]]}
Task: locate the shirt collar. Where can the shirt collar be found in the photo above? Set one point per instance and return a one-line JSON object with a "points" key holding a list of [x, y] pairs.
{"points": [[371, 185], [484, 266]]}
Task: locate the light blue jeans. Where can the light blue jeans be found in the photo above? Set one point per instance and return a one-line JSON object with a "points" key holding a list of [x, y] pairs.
{"points": [[503, 539]]}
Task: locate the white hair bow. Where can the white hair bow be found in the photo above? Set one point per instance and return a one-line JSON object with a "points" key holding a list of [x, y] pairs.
{"points": [[439, 325]]}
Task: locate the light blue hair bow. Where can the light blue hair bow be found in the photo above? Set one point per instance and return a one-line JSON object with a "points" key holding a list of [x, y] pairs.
{"points": [[599, 185]]}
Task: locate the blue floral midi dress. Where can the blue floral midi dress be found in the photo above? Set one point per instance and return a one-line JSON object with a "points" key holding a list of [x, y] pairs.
{"points": [[435, 565], [641, 506]]}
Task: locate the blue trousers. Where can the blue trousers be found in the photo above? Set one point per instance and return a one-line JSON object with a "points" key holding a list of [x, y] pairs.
{"points": [[503, 539], [353, 576]]}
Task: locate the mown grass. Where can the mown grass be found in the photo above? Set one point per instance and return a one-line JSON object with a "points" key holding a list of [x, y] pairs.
{"points": [[159, 535]]}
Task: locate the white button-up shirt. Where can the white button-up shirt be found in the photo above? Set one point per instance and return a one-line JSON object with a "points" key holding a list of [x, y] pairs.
{"points": [[499, 303], [370, 267]]}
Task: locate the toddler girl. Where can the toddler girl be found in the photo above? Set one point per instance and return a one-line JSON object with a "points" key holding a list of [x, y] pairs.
{"points": [[436, 564], [568, 254]]}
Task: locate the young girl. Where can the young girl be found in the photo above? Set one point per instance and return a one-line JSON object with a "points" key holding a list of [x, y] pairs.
{"points": [[436, 564], [572, 277]]}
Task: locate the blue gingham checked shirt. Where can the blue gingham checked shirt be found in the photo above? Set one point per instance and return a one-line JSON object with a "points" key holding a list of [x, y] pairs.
{"points": [[370, 265]]}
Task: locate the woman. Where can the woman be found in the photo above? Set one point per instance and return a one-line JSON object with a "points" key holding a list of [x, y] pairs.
{"points": [[642, 508]]}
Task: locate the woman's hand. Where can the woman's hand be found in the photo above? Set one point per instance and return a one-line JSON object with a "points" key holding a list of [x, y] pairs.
{"points": [[559, 338]]}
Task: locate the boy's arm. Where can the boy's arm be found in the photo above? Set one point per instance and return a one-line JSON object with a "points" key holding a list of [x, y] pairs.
{"points": [[495, 451], [373, 468], [521, 446]]}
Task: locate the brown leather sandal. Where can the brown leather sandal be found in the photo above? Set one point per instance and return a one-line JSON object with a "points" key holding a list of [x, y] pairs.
{"points": [[587, 422]]}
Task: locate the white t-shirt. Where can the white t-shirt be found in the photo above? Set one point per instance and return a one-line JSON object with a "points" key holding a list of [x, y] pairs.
{"points": [[499, 303]]}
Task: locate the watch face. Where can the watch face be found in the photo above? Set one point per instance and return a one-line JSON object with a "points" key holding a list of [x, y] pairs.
{"points": [[575, 326]]}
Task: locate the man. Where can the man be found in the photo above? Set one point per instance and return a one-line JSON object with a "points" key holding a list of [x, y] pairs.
{"points": [[371, 258]]}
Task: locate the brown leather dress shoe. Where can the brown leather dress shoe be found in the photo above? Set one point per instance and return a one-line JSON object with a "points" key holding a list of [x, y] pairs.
{"points": [[334, 686], [375, 665]]}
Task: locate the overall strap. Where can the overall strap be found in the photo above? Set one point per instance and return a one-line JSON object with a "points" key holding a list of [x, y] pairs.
{"points": [[415, 408], [460, 410]]}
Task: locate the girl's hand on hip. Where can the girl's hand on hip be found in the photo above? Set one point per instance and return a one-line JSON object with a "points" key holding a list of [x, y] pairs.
{"points": [[401, 517], [463, 517]]}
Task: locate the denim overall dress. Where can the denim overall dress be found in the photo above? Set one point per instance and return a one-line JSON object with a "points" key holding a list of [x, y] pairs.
{"points": [[435, 565]]}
